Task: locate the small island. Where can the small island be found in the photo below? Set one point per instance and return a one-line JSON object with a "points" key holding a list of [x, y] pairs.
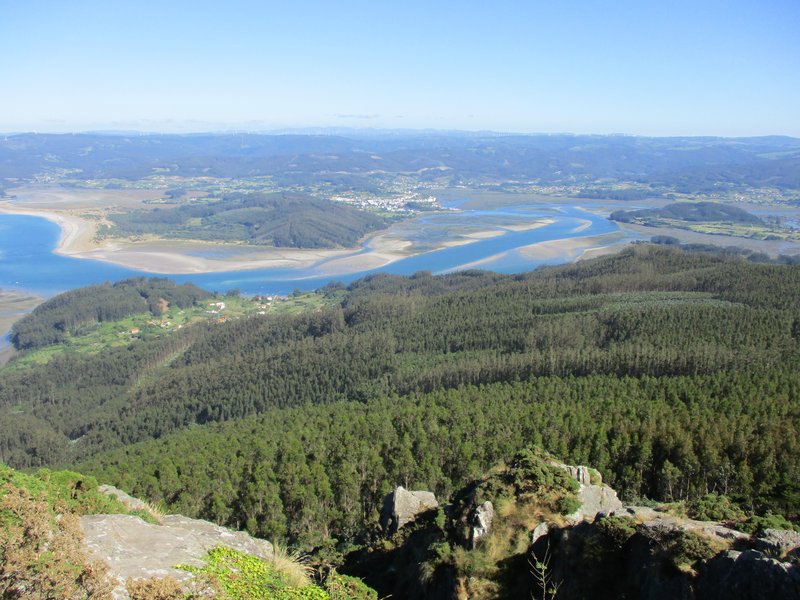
{"points": [[707, 217]]}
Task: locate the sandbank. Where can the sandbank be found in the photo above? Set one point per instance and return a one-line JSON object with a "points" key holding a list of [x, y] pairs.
{"points": [[531, 226], [565, 249], [13, 306], [570, 249], [77, 240]]}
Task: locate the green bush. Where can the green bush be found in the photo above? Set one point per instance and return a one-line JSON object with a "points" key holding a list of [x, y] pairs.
{"points": [[594, 477], [71, 491], [243, 577], [618, 530], [688, 547], [568, 504], [344, 587], [757, 524], [713, 507]]}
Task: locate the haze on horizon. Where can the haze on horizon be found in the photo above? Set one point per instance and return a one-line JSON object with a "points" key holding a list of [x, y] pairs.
{"points": [[709, 67]]}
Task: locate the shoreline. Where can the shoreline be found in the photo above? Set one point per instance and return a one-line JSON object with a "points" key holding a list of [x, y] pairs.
{"points": [[184, 257], [193, 257], [181, 257]]}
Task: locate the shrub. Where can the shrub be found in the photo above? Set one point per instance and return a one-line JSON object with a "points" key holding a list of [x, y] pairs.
{"points": [[688, 547], [757, 524], [568, 504], [594, 477], [344, 587], [72, 491], [42, 552], [156, 588], [713, 507], [240, 576], [617, 530]]}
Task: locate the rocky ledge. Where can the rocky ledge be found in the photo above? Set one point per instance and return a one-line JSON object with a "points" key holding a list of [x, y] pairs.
{"points": [[134, 549]]}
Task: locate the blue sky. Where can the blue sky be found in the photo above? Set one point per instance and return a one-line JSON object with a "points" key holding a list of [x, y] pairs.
{"points": [[668, 67]]}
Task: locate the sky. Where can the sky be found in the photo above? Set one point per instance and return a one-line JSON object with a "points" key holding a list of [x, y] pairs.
{"points": [[645, 67]]}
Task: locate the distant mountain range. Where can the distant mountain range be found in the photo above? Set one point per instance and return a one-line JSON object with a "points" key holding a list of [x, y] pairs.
{"points": [[686, 164]]}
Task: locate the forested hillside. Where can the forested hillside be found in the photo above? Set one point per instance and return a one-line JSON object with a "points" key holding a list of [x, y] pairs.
{"points": [[698, 212], [674, 373], [283, 220], [52, 321]]}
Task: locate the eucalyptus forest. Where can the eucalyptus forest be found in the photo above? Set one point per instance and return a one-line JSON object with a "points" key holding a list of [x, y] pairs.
{"points": [[673, 373]]}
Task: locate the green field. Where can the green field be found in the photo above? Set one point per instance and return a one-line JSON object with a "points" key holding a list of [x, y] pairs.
{"points": [[144, 326]]}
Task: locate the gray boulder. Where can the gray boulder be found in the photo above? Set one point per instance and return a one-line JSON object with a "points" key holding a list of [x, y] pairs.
{"points": [[748, 575], [134, 549], [402, 506], [778, 542], [581, 473], [541, 530], [129, 501], [481, 522], [595, 499]]}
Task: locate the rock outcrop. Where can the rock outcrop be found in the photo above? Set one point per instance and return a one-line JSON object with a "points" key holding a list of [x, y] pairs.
{"points": [[481, 522], [647, 554], [402, 506], [597, 499], [594, 497], [129, 501], [581, 473], [749, 574], [134, 549], [665, 522], [779, 543], [540, 530], [532, 547]]}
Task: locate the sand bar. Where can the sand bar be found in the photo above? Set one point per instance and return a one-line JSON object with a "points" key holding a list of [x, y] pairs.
{"points": [[79, 214], [77, 240]]}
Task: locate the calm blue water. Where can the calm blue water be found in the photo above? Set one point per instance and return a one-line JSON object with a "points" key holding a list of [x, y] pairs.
{"points": [[27, 261]]}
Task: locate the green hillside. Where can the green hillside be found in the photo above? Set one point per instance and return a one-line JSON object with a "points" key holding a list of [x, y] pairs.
{"points": [[674, 373], [694, 212], [283, 220], [79, 311]]}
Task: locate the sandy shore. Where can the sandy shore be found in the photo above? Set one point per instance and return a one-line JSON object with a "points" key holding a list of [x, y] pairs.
{"points": [[531, 226], [79, 229], [187, 257], [574, 248], [566, 250], [13, 306], [77, 233]]}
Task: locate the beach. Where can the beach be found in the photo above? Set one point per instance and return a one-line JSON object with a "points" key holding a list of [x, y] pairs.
{"points": [[80, 212], [78, 240]]}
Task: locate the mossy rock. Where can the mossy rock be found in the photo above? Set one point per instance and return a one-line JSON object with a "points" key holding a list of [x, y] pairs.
{"points": [[344, 587]]}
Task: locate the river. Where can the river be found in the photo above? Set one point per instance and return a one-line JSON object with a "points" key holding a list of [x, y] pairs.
{"points": [[28, 263]]}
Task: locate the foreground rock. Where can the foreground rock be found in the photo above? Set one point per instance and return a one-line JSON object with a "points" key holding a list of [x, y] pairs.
{"points": [[779, 543], [594, 496], [535, 527], [641, 553], [134, 549], [402, 506], [481, 520], [749, 574]]}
